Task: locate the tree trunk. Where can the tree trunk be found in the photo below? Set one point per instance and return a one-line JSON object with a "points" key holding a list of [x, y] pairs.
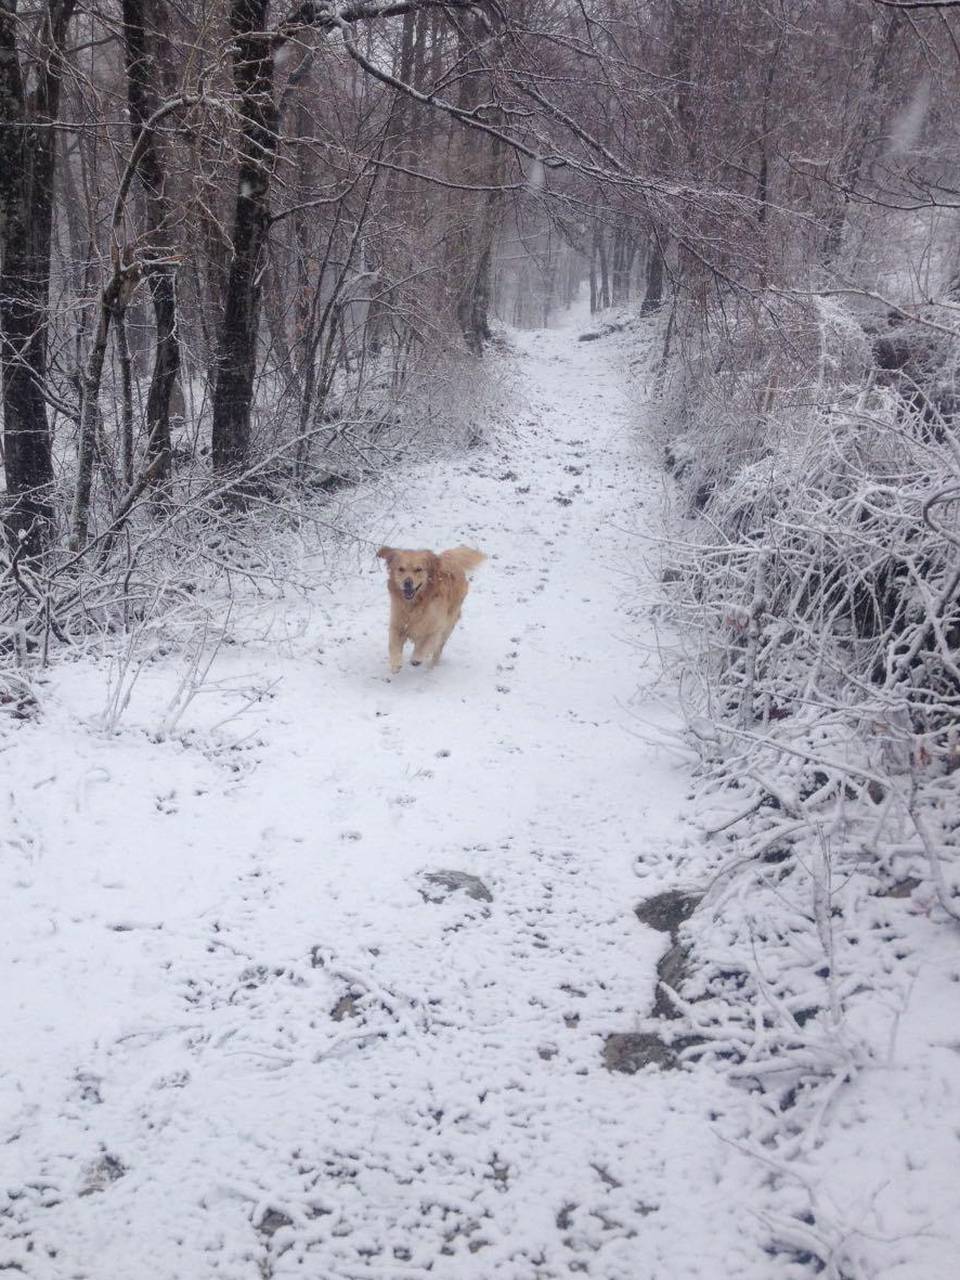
{"points": [[237, 356], [624, 251], [473, 305], [594, 291], [112, 303], [482, 163], [126, 383], [142, 98], [27, 166], [653, 296], [604, 292]]}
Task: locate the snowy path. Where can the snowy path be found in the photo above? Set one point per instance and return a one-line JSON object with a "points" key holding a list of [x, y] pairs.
{"points": [[240, 1042]]}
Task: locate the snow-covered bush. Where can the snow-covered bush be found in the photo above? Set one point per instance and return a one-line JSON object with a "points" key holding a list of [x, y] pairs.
{"points": [[815, 573], [823, 568]]}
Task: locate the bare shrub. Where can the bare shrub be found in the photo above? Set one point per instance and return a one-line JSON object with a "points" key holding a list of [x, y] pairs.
{"points": [[815, 575]]}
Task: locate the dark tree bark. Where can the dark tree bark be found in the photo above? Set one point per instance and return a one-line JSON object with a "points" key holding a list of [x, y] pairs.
{"points": [[603, 300], [113, 303], [482, 159], [237, 357], [398, 193], [143, 101], [126, 384], [27, 165], [473, 308], [653, 295], [114, 300], [253, 75], [624, 252]]}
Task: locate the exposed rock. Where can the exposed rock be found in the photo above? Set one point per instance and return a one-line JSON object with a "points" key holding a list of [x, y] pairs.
{"points": [[441, 884], [272, 1221], [666, 912], [673, 969], [630, 1051]]}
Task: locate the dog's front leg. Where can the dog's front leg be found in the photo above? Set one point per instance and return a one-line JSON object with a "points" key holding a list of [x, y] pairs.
{"points": [[396, 648], [422, 650], [442, 640]]}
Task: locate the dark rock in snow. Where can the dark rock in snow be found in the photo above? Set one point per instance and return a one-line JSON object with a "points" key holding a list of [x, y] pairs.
{"points": [[672, 969], [666, 912], [630, 1051], [272, 1221], [441, 884]]}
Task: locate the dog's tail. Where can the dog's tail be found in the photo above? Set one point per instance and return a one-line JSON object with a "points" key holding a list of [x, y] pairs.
{"points": [[461, 558]]}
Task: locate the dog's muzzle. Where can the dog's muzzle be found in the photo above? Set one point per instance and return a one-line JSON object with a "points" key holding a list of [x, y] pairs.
{"points": [[409, 590]]}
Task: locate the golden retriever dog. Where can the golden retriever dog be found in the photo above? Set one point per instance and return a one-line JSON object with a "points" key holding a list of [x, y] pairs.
{"points": [[426, 594]]}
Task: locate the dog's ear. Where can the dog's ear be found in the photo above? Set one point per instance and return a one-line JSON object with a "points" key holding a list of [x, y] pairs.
{"points": [[387, 553], [433, 564]]}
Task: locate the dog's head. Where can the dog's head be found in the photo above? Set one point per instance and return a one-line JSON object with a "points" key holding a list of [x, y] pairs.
{"points": [[409, 572]]}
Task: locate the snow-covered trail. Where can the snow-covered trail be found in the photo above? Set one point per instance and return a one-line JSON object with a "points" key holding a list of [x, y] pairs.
{"points": [[247, 1036]]}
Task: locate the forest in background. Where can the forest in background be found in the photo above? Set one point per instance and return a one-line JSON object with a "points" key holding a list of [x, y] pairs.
{"points": [[235, 238], [251, 254]]}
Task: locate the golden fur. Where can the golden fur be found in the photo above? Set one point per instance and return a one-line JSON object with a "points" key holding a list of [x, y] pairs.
{"points": [[426, 594]]}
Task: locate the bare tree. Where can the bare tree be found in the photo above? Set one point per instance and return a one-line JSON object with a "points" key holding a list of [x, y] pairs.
{"points": [[141, 20], [27, 173]]}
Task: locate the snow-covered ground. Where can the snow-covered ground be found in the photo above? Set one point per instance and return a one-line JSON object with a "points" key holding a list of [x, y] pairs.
{"points": [[246, 1035]]}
